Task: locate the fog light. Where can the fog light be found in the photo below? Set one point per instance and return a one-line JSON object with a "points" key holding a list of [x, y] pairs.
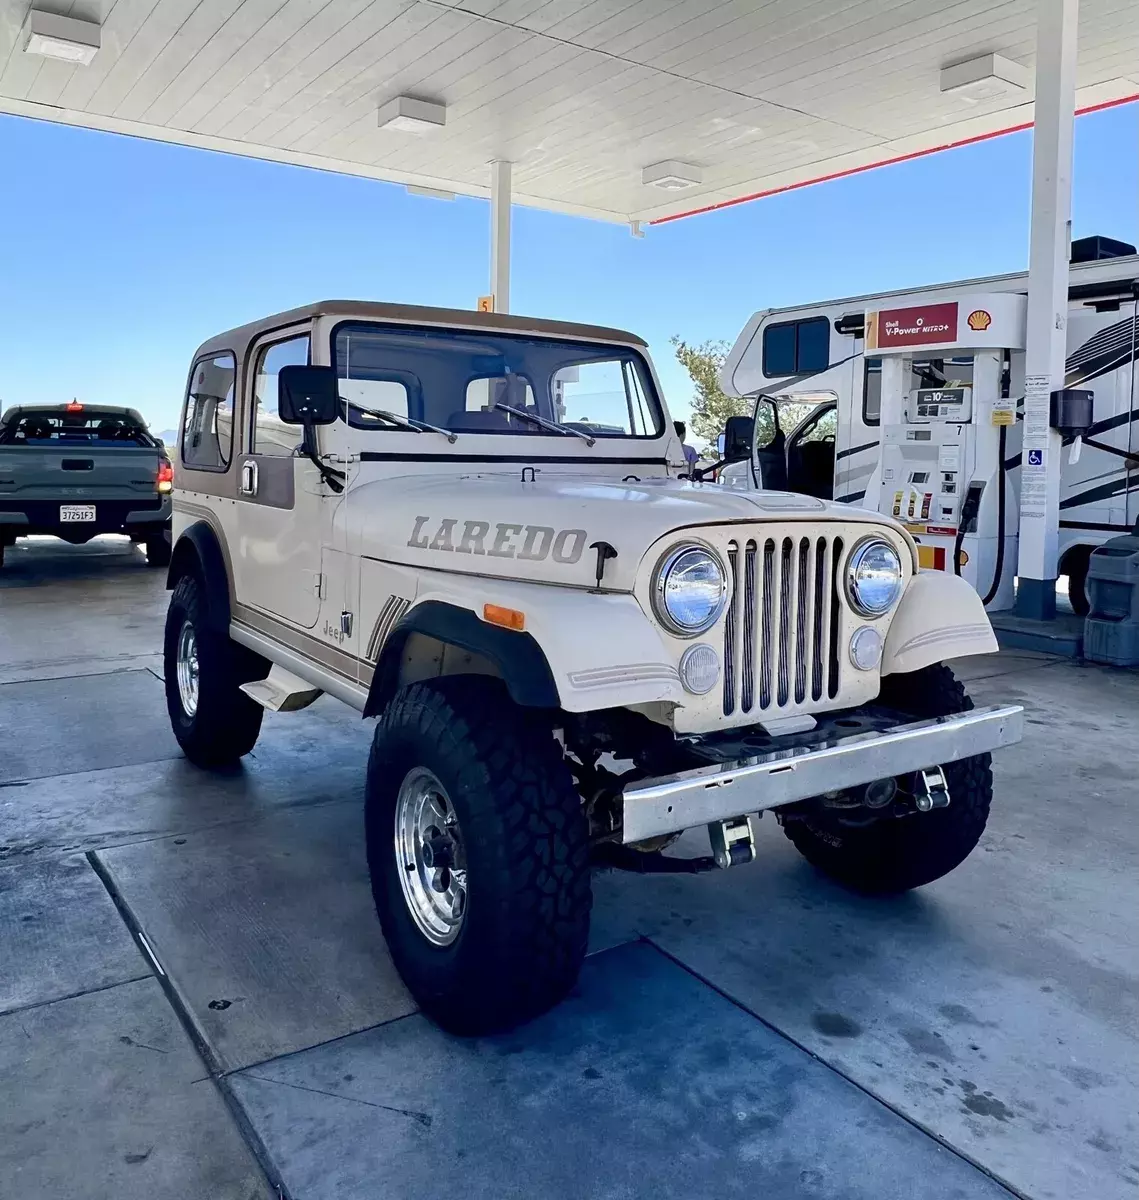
{"points": [[699, 669], [866, 648]]}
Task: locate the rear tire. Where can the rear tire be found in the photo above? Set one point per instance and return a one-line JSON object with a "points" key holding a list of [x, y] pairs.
{"points": [[158, 549], [514, 822], [1076, 564], [214, 721], [895, 854]]}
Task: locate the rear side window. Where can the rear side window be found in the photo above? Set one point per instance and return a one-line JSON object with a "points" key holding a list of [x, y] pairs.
{"points": [[796, 347], [207, 428]]}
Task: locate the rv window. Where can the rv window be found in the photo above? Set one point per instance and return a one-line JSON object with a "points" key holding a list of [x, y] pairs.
{"points": [[796, 347], [872, 392], [814, 351]]}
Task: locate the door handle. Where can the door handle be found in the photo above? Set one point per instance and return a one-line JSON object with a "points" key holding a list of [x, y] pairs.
{"points": [[249, 478]]}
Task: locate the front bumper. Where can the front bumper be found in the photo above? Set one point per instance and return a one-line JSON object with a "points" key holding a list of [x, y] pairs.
{"points": [[673, 803]]}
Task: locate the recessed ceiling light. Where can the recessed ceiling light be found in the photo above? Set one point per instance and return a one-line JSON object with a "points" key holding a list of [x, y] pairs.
{"points": [[414, 189], [406, 114], [986, 78], [673, 176], [65, 38]]}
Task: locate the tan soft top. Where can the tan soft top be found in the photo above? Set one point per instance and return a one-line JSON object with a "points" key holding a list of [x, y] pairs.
{"points": [[238, 339]]}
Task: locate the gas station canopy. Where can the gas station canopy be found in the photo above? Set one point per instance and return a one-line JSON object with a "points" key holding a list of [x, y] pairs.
{"points": [[617, 109]]}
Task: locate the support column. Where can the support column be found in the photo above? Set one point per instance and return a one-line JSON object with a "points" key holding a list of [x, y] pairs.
{"points": [[500, 235], [1047, 333]]}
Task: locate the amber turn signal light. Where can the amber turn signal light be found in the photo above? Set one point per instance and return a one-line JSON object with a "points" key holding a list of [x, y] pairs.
{"points": [[508, 618]]}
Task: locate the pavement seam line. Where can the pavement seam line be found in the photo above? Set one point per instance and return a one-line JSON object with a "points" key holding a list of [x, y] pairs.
{"points": [[104, 987], [866, 1091], [123, 670], [116, 767], [196, 1036], [340, 1037], [413, 1114]]}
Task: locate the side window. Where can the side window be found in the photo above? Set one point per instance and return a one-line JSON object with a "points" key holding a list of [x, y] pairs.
{"points": [[872, 391], [797, 347], [766, 424], [207, 428], [824, 429], [270, 434], [605, 396]]}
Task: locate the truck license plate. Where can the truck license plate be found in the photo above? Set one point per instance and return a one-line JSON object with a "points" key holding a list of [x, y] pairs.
{"points": [[76, 512]]}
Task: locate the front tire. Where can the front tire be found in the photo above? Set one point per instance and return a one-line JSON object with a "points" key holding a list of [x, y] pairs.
{"points": [[214, 721], [892, 854], [478, 849]]}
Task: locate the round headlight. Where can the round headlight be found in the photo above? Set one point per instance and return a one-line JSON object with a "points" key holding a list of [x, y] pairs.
{"points": [[689, 590], [874, 577]]}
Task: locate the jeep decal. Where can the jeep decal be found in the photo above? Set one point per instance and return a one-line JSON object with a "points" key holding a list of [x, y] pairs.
{"points": [[532, 543]]}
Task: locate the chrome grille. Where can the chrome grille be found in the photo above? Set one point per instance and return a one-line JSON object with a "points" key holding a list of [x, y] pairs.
{"points": [[781, 631]]}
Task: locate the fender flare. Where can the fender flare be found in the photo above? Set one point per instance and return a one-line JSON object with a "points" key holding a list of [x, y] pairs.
{"points": [[940, 618], [518, 657], [198, 552]]}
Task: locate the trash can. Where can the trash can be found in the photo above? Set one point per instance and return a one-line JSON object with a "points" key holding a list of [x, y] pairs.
{"points": [[1111, 628]]}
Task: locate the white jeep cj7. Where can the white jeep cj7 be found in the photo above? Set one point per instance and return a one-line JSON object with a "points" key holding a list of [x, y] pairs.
{"points": [[469, 526]]}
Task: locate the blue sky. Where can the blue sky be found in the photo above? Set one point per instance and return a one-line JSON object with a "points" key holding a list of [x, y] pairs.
{"points": [[121, 256]]}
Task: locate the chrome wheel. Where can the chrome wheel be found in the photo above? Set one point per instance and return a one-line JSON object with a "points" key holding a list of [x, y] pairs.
{"points": [[186, 667], [430, 857]]}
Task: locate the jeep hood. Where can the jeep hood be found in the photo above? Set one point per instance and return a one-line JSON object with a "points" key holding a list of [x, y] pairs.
{"points": [[545, 530]]}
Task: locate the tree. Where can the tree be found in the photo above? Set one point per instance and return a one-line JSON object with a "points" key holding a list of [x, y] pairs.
{"points": [[711, 406]]}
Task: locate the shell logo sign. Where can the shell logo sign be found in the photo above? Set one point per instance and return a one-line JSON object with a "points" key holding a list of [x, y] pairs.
{"points": [[979, 320]]}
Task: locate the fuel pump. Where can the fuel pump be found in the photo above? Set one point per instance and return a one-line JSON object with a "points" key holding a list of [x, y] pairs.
{"points": [[950, 372]]}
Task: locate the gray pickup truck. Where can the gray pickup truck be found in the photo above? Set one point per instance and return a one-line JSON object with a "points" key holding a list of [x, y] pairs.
{"points": [[76, 471]]}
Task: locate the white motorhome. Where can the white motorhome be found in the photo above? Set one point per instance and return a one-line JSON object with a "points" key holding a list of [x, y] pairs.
{"points": [[916, 407]]}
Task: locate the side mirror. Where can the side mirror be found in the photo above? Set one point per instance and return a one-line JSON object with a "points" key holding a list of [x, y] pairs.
{"points": [[720, 443], [739, 433], [308, 395]]}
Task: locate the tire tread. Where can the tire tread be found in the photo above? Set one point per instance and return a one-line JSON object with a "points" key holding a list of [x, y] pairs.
{"points": [[527, 828], [896, 855]]}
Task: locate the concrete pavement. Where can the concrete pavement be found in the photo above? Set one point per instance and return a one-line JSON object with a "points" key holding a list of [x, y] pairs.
{"points": [[195, 999]]}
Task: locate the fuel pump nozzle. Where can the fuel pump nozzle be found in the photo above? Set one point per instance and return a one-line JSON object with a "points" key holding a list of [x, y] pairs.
{"points": [[967, 522]]}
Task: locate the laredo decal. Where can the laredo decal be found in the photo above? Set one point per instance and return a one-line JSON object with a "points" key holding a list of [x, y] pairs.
{"points": [[531, 543]]}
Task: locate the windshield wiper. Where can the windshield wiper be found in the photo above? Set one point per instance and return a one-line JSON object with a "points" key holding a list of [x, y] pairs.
{"points": [[550, 425], [411, 424]]}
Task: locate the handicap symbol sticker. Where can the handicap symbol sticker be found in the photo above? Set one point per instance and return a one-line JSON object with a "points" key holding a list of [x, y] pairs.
{"points": [[1036, 458]]}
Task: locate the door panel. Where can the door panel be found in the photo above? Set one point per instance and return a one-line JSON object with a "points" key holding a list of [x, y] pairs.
{"points": [[279, 537], [280, 506]]}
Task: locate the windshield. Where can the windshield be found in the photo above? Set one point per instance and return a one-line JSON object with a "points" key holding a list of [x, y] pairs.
{"points": [[476, 382]]}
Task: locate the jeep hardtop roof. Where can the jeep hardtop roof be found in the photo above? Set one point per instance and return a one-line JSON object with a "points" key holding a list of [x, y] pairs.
{"points": [[238, 339]]}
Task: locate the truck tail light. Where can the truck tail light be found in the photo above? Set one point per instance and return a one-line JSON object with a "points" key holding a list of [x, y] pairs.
{"points": [[74, 406], [165, 481]]}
